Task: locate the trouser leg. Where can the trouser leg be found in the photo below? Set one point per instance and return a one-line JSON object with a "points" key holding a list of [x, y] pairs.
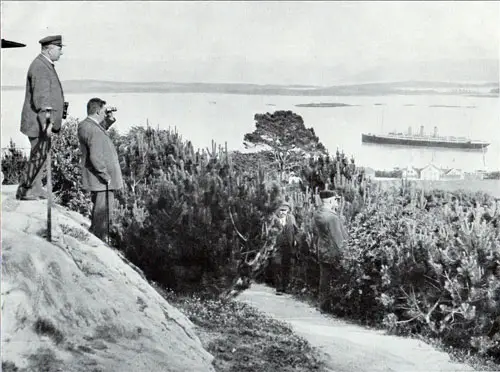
{"points": [[99, 226], [285, 270], [276, 269], [325, 278], [36, 168]]}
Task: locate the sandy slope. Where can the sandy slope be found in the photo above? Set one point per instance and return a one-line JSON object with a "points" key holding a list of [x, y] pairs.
{"points": [[347, 347], [75, 305]]}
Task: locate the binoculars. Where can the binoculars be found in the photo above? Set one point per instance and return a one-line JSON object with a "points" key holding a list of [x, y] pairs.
{"points": [[65, 110], [111, 109]]}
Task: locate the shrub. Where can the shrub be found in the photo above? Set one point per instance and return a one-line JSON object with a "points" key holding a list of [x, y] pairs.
{"points": [[422, 262], [174, 221], [66, 170], [13, 164], [416, 262]]}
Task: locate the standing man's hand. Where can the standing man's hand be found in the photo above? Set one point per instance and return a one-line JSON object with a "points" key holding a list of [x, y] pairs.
{"points": [[106, 180], [47, 112], [109, 119]]}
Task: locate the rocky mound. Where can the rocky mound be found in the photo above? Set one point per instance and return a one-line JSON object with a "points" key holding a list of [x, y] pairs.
{"points": [[76, 305]]}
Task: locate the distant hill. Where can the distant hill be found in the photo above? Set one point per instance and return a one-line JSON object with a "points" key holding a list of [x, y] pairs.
{"points": [[400, 87]]}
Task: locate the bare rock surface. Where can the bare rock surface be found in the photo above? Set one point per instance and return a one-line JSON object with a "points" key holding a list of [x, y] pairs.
{"points": [[76, 305], [348, 347]]}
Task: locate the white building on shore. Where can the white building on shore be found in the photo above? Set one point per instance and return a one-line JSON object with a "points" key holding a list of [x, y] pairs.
{"points": [[430, 172]]}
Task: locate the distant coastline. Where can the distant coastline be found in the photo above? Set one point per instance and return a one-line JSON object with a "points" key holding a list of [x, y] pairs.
{"points": [[323, 104], [452, 106], [368, 89]]}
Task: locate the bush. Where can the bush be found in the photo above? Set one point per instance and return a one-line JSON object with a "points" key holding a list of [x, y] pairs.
{"points": [[432, 271], [66, 170], [426, 263], [13, 164], [174, 221], [416, 262]]}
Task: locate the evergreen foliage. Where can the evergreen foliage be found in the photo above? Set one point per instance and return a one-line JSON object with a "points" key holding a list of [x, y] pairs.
{"points": [[201, 220], [13, 164]]}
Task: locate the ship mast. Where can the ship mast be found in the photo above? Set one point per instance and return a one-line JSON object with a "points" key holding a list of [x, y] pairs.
{"points": [[484, 159], [382, 122]]}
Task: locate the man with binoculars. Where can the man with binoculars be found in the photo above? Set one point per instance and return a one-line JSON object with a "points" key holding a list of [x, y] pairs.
{"points": [[101, 173], [43, 104]]}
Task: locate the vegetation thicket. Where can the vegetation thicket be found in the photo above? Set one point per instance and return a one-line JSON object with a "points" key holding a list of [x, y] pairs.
{"points": [[199, 220]]}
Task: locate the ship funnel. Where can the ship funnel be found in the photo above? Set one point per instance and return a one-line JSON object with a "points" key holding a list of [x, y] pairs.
{"points": [[409, 131], [435, 131], [422, 130]]}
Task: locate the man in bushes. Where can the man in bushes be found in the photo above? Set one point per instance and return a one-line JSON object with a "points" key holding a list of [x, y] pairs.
{"points": [[330, 235], [101, 173], [285, 245]]}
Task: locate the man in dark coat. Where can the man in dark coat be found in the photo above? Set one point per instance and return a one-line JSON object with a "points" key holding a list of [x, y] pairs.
{"points": [[43, 95], [285, 247], [330, 235], [101, 173]]}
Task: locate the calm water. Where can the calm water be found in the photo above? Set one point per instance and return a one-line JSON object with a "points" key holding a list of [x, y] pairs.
{"points": [[202, 117]]}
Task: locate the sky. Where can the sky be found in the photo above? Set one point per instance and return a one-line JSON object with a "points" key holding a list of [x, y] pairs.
{"points": [[317, 43]]}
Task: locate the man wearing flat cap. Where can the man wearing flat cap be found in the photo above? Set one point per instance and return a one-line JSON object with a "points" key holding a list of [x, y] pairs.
{"points": [[285, 247], [330, 235], [43, 97]]}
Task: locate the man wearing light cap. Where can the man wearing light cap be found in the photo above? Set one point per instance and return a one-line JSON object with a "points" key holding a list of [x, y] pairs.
{"points": [[43, 95], [330, 235]]}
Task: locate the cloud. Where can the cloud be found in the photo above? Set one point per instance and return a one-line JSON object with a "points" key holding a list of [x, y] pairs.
{"points": [[251, 41]]}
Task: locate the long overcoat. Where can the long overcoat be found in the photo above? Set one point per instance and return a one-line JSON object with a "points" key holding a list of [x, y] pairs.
{"points": [[99, 159], [330, 233], [43, 89]]}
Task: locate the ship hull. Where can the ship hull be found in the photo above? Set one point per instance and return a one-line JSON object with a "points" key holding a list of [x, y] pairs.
{"points": [[370, 138]]}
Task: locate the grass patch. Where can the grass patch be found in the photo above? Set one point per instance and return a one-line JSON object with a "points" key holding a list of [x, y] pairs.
{"points": [[476, 361], [242, 339], [75, 232], [8, 366], [45, 360]]}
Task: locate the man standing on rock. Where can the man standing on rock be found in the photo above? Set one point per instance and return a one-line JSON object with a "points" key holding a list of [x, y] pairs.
{"points": [[330, 236], [101, 173], [44, 96]]}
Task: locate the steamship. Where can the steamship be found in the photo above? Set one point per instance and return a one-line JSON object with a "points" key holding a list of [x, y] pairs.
{"points": [[423, 140]]}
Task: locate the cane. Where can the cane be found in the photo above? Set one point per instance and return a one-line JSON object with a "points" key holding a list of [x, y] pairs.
{"points": [[48, 120], [107, 212]]}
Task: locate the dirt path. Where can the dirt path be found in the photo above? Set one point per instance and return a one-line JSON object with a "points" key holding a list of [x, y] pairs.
{"points": [[348, 347]]}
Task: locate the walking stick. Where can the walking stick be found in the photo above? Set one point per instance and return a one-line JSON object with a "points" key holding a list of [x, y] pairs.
{"points": [[48, 118], [107, 213]]}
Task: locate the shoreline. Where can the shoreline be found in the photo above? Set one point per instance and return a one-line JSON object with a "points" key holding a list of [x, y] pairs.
{"points": [[490, 187]]}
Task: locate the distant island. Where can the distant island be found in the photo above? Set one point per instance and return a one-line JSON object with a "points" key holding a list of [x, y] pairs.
{"points": [[366, 89], [323, 104], [451, 106]]}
